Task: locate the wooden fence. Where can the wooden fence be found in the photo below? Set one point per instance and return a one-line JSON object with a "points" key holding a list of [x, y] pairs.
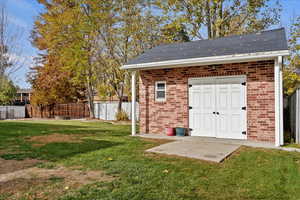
{"points": [[70, 110]]}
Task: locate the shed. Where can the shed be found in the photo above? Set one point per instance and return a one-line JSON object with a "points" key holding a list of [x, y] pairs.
{"points": [[229, 87]]}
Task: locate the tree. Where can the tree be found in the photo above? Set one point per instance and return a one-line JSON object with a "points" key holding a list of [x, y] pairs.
{"points": [[8, 91], [89, 40], [290, 77], [10, 60], [123, 30], [56, 34], [221, 17], [51, 85], [10, 51], [4, 54], [174, 32]]}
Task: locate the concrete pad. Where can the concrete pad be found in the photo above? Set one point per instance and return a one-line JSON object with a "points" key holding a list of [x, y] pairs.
{"points": [[209, 151], [248, 143]]}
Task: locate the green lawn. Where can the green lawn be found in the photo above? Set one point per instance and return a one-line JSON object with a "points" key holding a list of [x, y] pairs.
{"points": [[293, 145], [248, 174]]}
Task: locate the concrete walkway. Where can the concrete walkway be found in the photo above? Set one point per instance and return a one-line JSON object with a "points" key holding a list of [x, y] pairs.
{"points": [[205, 148]]}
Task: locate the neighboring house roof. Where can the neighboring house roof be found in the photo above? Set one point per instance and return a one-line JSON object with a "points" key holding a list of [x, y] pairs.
{"points": [[24, 91], [265, 43]]}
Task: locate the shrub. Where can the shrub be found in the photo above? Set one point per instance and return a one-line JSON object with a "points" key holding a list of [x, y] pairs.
{"points": [[122, 116]]}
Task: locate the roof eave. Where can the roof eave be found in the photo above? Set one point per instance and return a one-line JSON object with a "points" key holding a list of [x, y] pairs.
{"points": [[208, 60]]}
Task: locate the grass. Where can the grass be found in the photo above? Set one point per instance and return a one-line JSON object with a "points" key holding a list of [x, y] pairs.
{"points": [[293, 145], [248, 174], [13, 137]]}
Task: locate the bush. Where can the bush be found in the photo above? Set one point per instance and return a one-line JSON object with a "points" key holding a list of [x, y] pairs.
{"points": [[122, 116], [8, 91]]}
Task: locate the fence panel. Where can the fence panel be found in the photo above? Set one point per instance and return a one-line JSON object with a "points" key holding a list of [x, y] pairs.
{"points": [[12, 112], [294, 108], [108, 110], [71, 110]]}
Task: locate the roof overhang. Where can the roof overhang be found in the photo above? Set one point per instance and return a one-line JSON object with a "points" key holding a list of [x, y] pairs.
{"points": [[213, 60]]}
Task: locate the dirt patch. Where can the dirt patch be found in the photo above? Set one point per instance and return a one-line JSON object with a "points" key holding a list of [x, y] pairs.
{"points": [[15, 188], [46, 139], [44, 183], [73, 176], [7, 166]]}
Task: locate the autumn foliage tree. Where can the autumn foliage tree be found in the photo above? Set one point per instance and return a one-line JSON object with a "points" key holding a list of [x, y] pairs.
{"points": [[54, 79], [85, 42], [123, 30], [52, 85], [218, 18], [291, 78]]}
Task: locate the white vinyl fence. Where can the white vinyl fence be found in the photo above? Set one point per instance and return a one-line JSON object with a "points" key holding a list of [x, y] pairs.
{"points": [[108, 110], [12, 112]]}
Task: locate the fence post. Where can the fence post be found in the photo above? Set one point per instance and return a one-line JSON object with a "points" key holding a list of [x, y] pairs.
{"points": [[105, 111], [99, 110]]}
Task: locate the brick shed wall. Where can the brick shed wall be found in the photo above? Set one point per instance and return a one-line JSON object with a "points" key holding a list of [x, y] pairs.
{"points": [[156, 116]]}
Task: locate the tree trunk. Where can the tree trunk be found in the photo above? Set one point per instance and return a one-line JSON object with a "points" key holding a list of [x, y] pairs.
{"points": [[220, 32], [120, 105], [214, 18], [90, 94], [120, 96], [208, 21], [41, 111], [90, 98]]}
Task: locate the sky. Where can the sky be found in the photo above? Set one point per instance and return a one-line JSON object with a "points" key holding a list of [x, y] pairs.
{"points": [[22, 13]]}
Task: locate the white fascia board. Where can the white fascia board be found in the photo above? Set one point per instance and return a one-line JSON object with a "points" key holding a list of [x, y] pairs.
{"points": [[208, 60]]}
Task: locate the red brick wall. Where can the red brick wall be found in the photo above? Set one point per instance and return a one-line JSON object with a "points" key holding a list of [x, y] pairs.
{"points": [[156, 116]]}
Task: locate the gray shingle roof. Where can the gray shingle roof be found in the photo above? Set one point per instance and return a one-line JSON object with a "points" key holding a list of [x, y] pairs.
{"points": [[265, 41]]}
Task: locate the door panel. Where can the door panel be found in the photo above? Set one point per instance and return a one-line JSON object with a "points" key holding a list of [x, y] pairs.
{"points": [[230, 100], [201, 116]]}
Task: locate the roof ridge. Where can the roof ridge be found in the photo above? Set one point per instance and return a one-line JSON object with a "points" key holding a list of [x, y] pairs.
{"points": [[224, 37]]}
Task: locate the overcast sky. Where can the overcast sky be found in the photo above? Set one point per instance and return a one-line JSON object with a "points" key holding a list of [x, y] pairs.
{"points": [[22, 13]]}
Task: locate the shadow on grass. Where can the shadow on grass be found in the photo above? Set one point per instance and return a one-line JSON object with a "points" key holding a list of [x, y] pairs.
{"points": [[15, 129], [11, 130], [14, 135], [58, 151]]}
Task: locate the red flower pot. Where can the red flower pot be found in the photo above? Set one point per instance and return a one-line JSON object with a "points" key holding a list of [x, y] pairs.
{"points": [[170, 131]]}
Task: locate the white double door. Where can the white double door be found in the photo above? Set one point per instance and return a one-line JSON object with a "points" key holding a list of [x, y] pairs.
{"points": [[217, 107]]}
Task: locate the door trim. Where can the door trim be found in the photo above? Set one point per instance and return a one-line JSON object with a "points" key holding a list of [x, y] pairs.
{"points": [[199, 80], [211, 80]]}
